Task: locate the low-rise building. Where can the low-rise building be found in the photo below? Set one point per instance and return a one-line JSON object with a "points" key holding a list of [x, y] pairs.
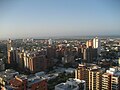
{"points": [[18, 83], [72, 84], [36, 83], [7, 75]]}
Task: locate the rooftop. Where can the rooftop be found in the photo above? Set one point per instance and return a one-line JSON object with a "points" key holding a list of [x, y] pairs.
{"points": [[8, 74], [71, 84], [65, 86], [15, 82], [34, 79]]}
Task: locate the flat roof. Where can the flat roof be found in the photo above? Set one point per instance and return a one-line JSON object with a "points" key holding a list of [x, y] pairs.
{"points": [[34, 79], [66, 86]]}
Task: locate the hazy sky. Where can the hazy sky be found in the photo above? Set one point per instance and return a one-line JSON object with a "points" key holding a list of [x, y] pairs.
{"points": [[38, 18]]}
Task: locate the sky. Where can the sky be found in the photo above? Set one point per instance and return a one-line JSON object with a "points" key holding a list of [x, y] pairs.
{"points": [[47, 18]]}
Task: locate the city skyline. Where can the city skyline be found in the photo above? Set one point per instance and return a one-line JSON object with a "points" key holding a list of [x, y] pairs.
{"points": [[20, 19]]}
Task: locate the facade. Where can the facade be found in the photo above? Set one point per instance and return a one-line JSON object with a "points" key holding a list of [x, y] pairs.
{"points": [[21, 60], [92, 74], [95, 79], [50, 53], [9, 46], [89, 43], [97, 44], [50, 42], [111, 79], [119, 61], [82, 73], [89, 54], [106, 81], [37, 63], [115, 82]]}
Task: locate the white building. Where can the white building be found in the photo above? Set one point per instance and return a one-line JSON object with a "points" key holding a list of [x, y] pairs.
{"points": [[97, 44], [50, 42], [72, 84]]}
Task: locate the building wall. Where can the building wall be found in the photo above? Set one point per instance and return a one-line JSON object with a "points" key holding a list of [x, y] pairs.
{"points": [[106, 81]]}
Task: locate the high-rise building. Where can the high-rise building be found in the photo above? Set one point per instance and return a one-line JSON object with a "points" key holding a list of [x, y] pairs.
{"points": [[50, 42], [36, 63], [106, 81], [21, 60], [89, 43], [9, 46], [95, 78], [13, 58], [111, 79], [119, 61], [89, 54], [97, 44], [50, 52], [92, 74], [82, 73], [115, 82]]}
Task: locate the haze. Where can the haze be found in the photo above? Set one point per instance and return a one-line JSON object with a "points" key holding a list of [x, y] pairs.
{"points": [[40, 18]]}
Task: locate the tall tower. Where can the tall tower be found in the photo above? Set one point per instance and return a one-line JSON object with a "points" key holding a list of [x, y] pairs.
{"points": [[50, 42], [106, 81], [89, 43], [9, 46], [95, 79], [97, 44], [82, 73]]}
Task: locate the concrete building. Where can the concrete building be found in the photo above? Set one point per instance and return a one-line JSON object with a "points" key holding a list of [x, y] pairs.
{"points": [[9, 46], [111, 79], [97, 44], [50, 42], [36, 83], [6, 76], [89, 54], [37, 63], [95, 78], [89, 43], [21, 60], [115, 82], [92, 74], [106, 81], [67, 59], [82, 73], [72, 84], [18, 83], [119, 61], [50, 53]]}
